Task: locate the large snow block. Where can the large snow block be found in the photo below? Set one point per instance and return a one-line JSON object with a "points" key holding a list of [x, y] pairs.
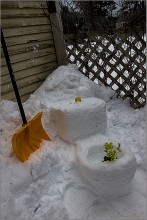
{"points": [[109, 179], [77, 120]]}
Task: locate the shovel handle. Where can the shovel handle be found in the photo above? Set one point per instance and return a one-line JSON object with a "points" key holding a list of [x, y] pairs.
{"points": [[7, 58]]}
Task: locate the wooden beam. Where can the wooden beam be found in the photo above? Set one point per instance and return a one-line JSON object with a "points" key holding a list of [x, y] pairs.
{"points": [[57, 28]]}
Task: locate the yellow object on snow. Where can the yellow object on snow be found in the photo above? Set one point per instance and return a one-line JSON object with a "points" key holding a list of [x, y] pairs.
{"points": [[78, 99], [28, 138]]}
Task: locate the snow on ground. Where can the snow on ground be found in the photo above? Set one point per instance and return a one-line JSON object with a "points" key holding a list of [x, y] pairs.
{"points": [[48, 186]]}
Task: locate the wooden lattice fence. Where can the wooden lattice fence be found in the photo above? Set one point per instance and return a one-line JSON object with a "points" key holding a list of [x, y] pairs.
{"points": [[117, 61]]}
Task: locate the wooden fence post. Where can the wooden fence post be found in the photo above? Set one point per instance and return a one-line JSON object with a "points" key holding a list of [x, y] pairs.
{"points": [[57, 28]]}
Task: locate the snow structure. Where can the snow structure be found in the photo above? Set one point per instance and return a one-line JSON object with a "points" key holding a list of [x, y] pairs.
{"points": [[49, 186], [110, 179], [77, 121]]}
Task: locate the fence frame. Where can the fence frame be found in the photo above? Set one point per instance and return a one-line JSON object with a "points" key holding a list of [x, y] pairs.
{"points": [[84, 67]]}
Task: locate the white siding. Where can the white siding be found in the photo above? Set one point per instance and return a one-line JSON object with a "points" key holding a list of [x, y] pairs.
{"points": [[29, 38]]}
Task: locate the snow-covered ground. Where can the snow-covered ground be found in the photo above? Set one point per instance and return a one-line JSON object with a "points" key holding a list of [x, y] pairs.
{"points": [[48, 185]]}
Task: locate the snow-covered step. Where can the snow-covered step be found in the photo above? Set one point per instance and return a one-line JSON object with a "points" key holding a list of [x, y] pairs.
{"points": [[78, 120]]}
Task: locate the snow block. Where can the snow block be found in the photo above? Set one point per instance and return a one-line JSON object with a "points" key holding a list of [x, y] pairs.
{"points": [[109, 179], [77, 120]]}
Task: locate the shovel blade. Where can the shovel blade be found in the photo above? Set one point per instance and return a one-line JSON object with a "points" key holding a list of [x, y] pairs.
{"points": [[28, 138]]}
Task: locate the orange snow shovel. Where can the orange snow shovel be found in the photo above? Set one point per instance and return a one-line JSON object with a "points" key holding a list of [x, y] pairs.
{"points": [[28, 138]]}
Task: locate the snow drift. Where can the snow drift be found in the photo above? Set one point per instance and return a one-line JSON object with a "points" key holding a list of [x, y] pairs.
{"points": [[48, 185]]}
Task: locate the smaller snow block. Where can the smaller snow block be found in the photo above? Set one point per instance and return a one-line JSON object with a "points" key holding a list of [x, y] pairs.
{"points": [[109, 179], [77, 120]]}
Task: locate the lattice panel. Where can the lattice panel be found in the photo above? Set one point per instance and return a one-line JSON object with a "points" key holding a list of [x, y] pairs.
{"points": [[118, 62]]}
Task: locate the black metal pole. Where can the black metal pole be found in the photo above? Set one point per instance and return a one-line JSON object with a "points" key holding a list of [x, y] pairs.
{"points": [[13, 78]]}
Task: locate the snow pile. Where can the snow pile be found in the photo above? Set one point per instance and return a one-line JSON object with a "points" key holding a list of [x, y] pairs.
{"points": [[48, 185], [66, 83]]}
